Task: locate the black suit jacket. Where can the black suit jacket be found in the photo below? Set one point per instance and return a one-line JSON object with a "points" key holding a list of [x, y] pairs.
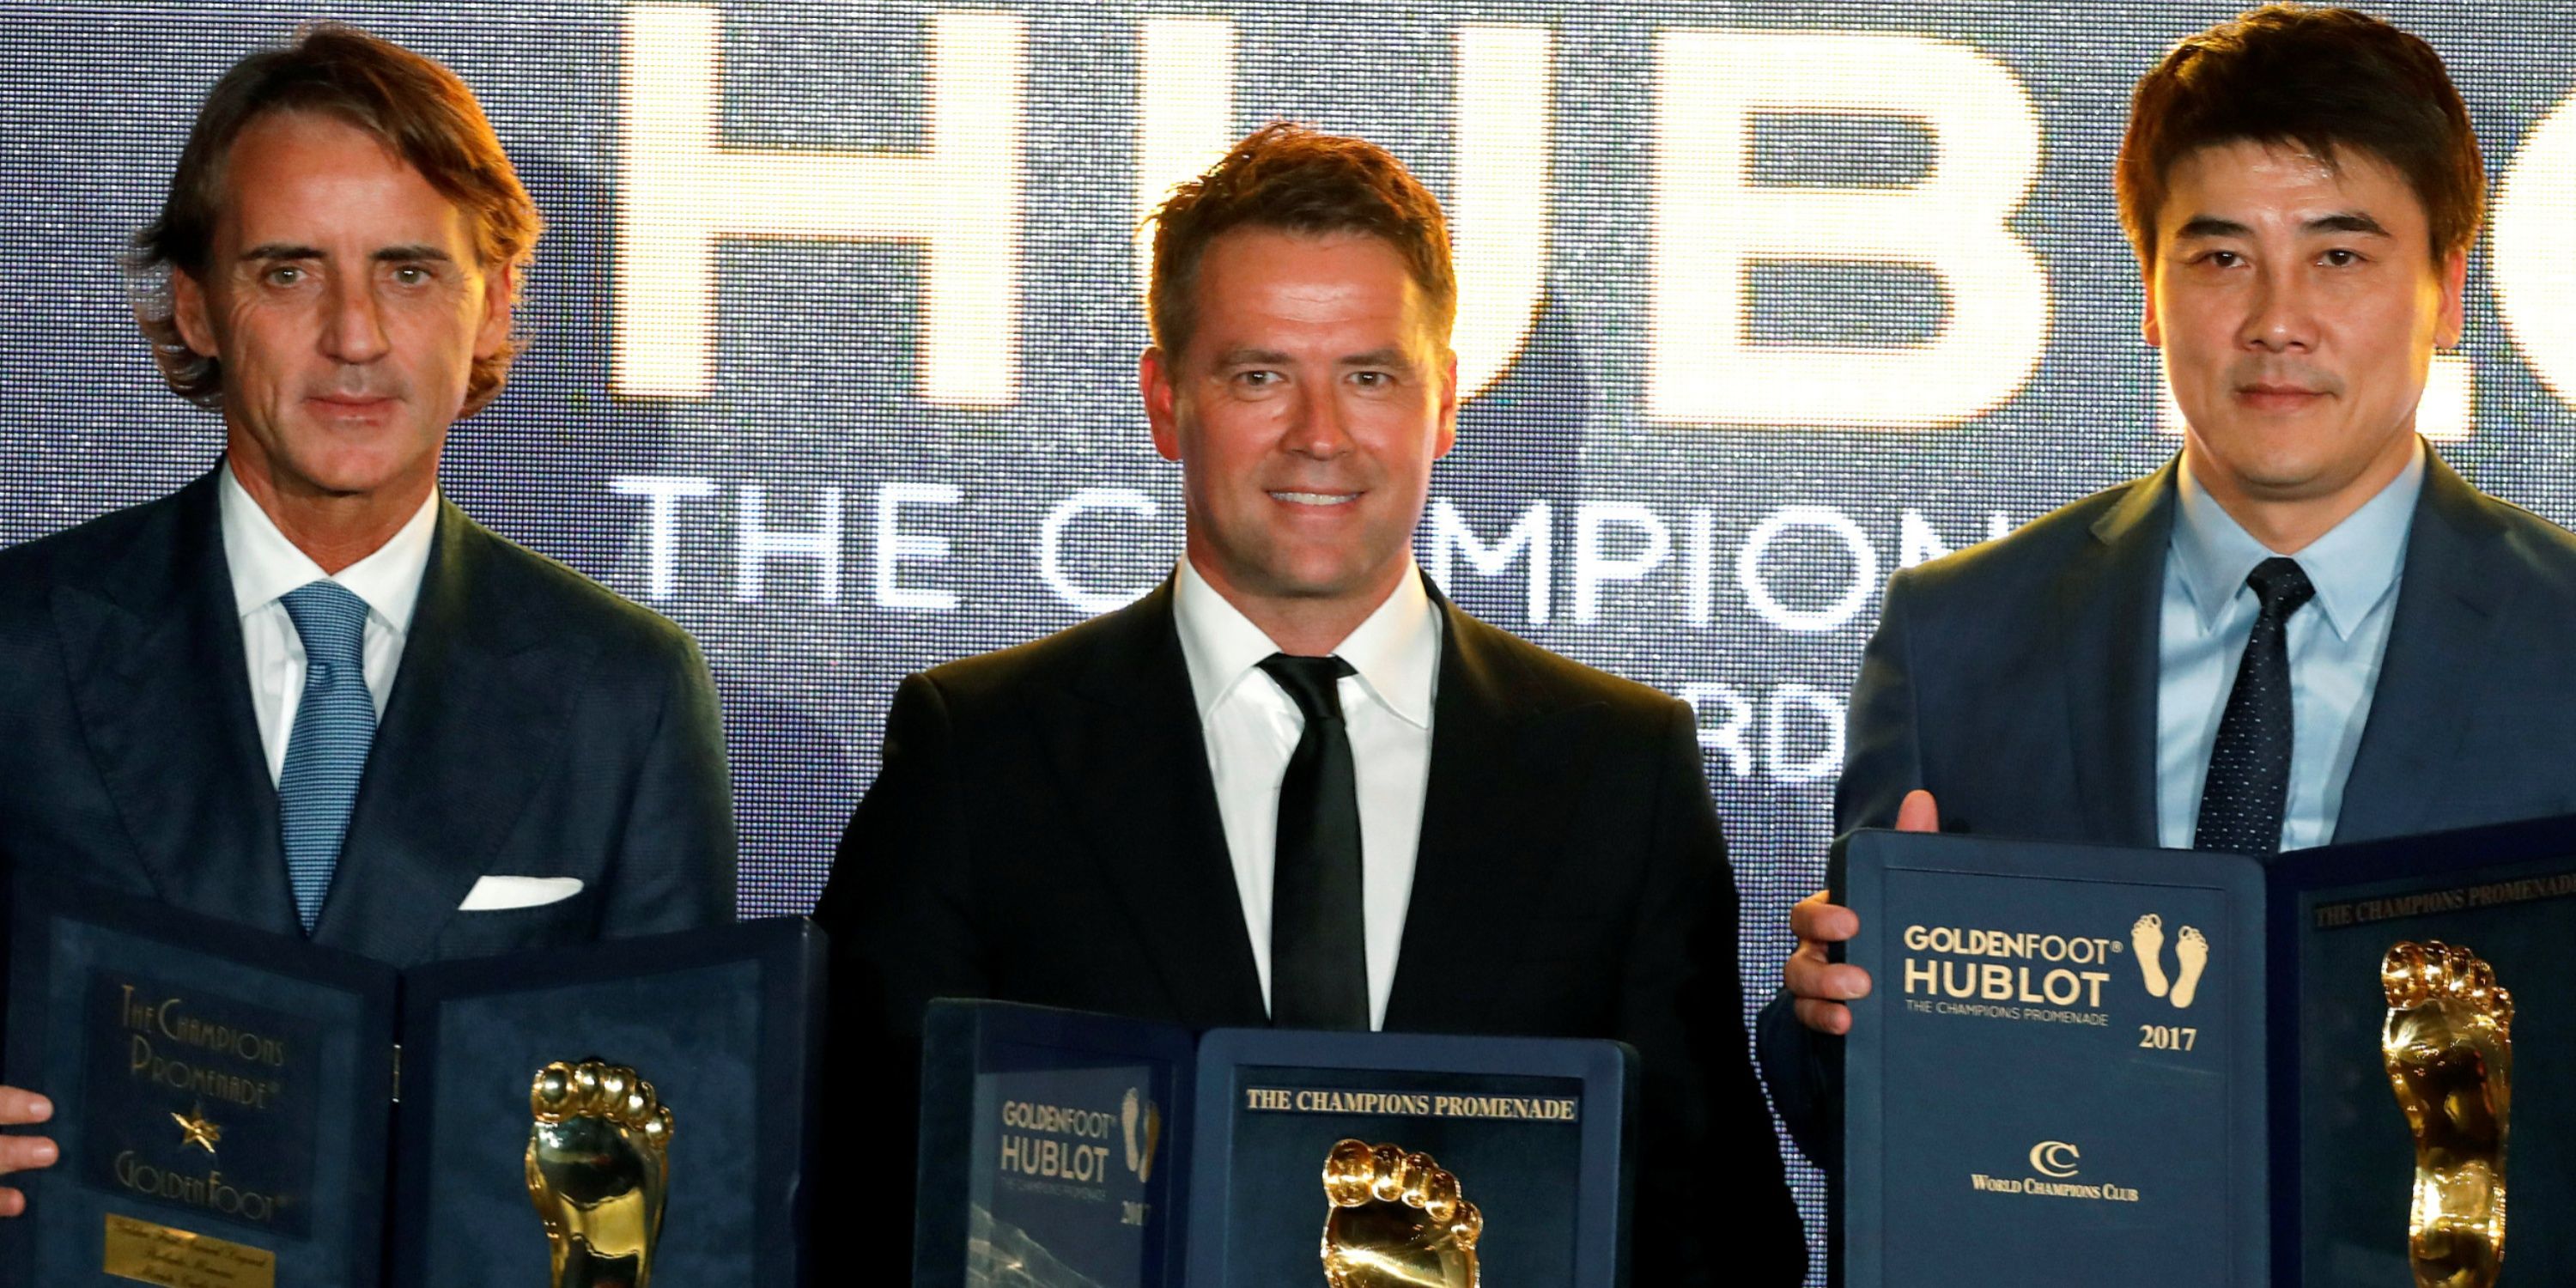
{"points": [[2017, 681], [1045, 830], [539, 726]]}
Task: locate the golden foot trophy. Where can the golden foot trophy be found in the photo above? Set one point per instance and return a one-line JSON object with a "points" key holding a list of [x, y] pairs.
{"points": [[1397, 1221], [599, 1168], [2449, 1050]]}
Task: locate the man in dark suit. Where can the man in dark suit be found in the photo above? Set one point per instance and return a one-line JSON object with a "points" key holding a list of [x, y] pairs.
{"points": [[305, 693], [2307, 627], [1293, 785]]}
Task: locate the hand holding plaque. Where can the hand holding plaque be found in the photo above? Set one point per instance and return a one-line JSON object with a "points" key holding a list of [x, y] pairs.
{"points": [[1397, 1221], [599, 1169], [21, 1153]]}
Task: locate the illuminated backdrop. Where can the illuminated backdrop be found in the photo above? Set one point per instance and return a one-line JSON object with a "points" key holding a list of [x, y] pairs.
{"points": [[834, 332]]}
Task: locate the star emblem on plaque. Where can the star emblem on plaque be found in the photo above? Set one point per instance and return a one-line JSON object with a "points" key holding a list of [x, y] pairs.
{"points": [[198, 1130]]}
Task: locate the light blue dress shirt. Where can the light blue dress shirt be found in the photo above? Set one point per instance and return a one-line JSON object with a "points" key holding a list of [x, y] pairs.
{"points": [[2336, 641]]}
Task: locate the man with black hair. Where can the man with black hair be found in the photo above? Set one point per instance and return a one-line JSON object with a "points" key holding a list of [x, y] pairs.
{"points": [[2304, 629]]}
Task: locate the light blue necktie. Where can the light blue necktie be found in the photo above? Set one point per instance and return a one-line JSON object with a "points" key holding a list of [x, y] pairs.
{"points": [[335, 722]]}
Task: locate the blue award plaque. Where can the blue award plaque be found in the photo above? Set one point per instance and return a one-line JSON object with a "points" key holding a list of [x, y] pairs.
{"points": [[2505, 895], [2059, 1075], [1068, 1150], [1050, 1150], [244, 1110], [1535, 1131], [222, 1098], [2157, 1067], [725, 1025]]}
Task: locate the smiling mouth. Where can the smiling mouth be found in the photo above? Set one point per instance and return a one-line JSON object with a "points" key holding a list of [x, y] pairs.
{"points": [[1315, 498]]}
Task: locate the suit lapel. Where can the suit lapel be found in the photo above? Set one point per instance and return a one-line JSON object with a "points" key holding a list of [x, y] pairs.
{"points": [[479, 708], [1133, 759], [1500, 770], [158, 675], [2447, 609], [2107, 607]]}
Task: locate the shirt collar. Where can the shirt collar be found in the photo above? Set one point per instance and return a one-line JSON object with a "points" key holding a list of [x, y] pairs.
{"points": [[2352, 566], [265, 565], [1396, 652]]}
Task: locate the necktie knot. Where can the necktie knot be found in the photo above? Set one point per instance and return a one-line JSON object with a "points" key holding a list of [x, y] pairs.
{"points": [[331, 620], [1313, 683], [2282, 585]]}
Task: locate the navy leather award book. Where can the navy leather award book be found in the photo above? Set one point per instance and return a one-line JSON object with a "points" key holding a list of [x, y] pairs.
{"points": [[242, 1110], [2131, 1067], [1086, 1151]]}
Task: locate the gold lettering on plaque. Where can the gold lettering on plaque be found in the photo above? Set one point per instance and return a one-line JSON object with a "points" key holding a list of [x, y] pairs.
{"points": [[1397, 1220], [157, 1254], [2448, 1046], [599, 1169]]}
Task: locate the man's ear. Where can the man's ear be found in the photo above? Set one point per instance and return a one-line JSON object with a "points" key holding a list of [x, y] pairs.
{"points": [[1154, 377], [499, 292], [188, 310], [2455, 313], [1448, 408]]}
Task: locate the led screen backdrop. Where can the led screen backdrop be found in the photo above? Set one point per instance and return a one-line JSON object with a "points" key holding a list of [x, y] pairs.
{"points": [[834, 331]]}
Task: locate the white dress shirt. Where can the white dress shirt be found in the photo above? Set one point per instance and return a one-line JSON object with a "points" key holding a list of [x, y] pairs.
{"points": [[1251, 726], [265, 566], [2335, 643]]}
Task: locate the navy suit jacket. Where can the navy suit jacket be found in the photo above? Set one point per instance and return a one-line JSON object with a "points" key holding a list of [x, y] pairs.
{"points": [[539, 726], [1045, 829], [2017, 681]]}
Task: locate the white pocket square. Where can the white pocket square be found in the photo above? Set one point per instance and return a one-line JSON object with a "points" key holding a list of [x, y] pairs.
{"points": [[498, 894]]}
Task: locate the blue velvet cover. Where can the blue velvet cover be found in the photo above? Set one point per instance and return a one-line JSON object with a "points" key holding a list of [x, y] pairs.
{"points": [[130, 1015], [2006, 1137], [1029, 1162], [289, 1050]]}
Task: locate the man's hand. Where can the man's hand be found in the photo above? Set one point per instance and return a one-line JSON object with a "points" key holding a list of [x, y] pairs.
{"points": [[1822, 986], [22, 1153]]}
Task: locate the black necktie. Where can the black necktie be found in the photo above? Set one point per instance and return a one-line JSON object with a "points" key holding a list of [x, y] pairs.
{"points": [[2249, 765], [1318, 952]]}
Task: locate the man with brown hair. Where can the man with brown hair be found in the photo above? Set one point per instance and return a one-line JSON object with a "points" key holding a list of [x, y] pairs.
{"points": [[304, 692], [2306, 628], [1293, 784]]}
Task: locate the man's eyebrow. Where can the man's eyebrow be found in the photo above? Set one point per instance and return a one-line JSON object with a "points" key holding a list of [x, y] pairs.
{"points": [[2351, 221], [1387, 357], [1243, 356], [420, 252], [2210, 226]]}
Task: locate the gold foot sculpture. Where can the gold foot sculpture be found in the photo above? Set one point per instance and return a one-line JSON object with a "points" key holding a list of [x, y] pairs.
{"points": [[1397, 1221], [2449, 1051], [599, 1168]]}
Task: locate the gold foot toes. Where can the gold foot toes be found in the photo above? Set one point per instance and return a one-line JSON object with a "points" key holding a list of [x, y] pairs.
{"points": [[1397, 1220], [599, 1169], [2448, 1048]]}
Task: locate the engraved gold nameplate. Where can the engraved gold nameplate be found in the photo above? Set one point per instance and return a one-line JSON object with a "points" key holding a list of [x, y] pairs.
{"points": [[599, 1170], [1397, 1220], [2448, 1046], [157, 1254]]}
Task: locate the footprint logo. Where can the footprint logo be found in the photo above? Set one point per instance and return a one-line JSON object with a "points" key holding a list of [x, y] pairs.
{"points": [[2191, 955], [2191, 949], [2148, 938], [1143, 1123], [1396, 1220]]}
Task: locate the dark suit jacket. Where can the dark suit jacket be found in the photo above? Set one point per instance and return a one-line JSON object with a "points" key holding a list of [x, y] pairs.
{"points": [[1045, 830], [539, 726], [2017, 681]]}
